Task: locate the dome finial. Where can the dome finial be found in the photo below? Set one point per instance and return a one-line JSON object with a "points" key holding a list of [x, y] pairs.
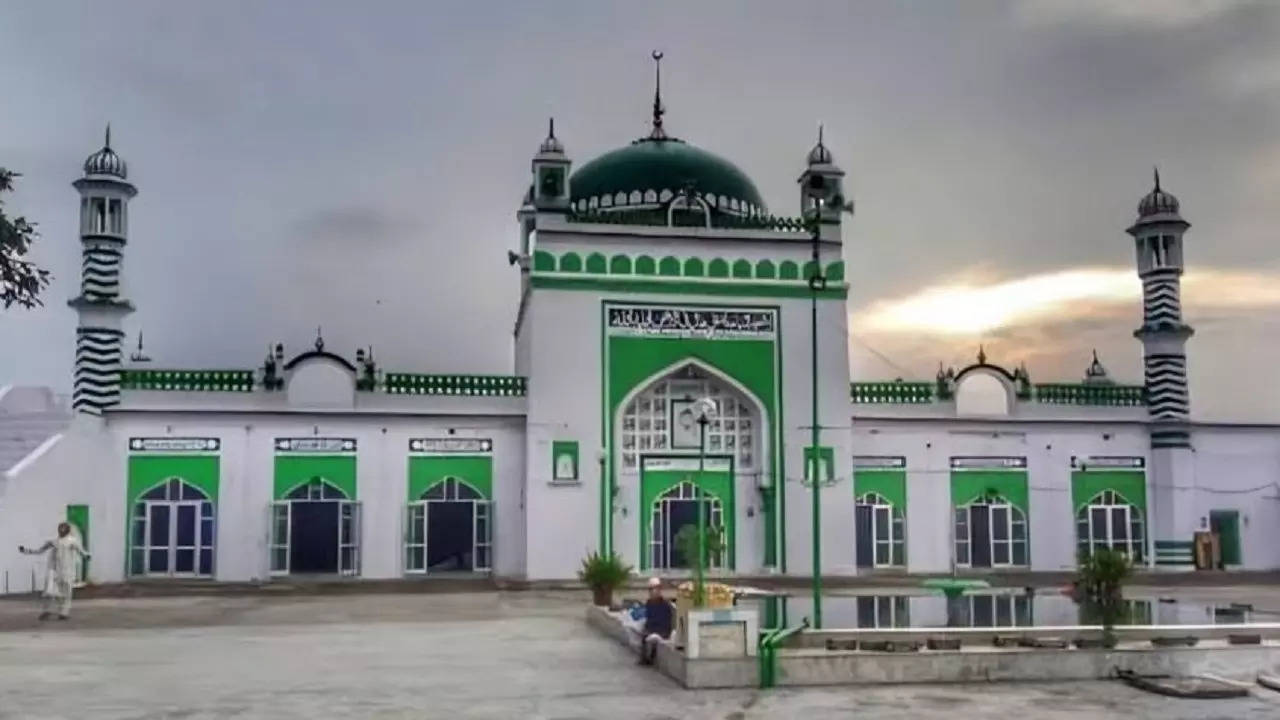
{"points": [[820, 155], [551, 144], [107, 142], [658, 111], [1155, 172]]}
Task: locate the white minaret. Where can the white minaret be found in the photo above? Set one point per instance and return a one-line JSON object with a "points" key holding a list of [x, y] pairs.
{"points": [[104, 229], [1157, 235]]}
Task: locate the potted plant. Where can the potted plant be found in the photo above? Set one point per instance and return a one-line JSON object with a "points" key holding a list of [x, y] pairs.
{"points": [[687, 541], [604, 574], [1099, 589]]}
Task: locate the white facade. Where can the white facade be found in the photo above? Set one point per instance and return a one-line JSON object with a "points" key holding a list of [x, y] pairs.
{"points": [[633, 302]]}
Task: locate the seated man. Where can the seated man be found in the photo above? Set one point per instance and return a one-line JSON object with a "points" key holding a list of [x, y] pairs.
{"points": [[658, 620]]}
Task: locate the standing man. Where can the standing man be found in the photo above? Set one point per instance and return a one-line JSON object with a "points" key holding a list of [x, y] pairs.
{"points": [[658, 615], [64, 552]]}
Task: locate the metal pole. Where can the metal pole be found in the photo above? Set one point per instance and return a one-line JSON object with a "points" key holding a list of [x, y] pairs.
{"points": [[816, 281], [702, 508]]}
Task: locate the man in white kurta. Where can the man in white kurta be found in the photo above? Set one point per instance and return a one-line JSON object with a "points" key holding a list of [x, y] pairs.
{"points": [[64, 552]]}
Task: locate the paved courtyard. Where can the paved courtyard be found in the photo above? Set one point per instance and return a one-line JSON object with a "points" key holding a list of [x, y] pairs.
{"points": [[491, 655]]}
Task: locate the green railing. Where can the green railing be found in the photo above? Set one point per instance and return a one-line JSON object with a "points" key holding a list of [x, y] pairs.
{"points": [[767, 652], [900, 393], [188, 380], [471, 385], [1110, 395], [682, 218]]}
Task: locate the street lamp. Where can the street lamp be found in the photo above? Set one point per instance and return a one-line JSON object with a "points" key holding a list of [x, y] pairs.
{"points": [[706, 411], [817, 283]]}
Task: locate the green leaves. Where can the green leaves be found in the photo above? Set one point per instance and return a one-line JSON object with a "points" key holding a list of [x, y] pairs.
{"points": [[606, 572], [20, 280]]}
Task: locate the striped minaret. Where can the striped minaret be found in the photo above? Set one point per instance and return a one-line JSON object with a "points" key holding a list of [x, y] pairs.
{"points": [[104, 228], [1157, 237]]}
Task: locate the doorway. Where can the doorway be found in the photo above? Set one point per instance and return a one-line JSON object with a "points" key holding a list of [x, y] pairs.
{"points": [[172, 532], [315, 530], [1226, 525], [990, 533], [449, 530]]}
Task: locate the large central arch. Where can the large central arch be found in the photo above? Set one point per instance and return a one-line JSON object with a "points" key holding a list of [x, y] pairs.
{"points": [[654, 455]]}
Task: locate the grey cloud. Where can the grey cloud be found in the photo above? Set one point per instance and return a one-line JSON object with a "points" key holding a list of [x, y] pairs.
{"points": [[261, 137]]}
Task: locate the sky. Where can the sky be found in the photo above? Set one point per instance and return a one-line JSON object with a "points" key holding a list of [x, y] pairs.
{"points": [[358, 166]]}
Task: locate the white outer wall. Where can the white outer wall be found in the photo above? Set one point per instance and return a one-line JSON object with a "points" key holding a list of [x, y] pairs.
{"points": [[33, 501], [1229, 461], [1048, 448], [92, 468]]}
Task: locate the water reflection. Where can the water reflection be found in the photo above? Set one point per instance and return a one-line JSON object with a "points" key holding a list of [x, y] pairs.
{"points": [[996, 608]]}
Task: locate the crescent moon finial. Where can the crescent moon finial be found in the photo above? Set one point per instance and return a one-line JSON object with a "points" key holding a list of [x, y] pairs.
{"points": [[657, 55]]}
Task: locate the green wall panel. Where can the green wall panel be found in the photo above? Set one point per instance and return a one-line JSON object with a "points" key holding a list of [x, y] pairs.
{"points": [[474, 470], [718, 268], [570, 262], [294, 470], [544, 261], [889, 484], [669, 267], [693, 267], [655, 482], [78, 517], [788, 270], [620, 265], [147, 471], [765, 270], [597, 264], [753, 363], [1130, 484], [645, 265], [968, 485], [742, 269]]}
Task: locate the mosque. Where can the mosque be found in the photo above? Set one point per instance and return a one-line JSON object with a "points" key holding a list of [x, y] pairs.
{"points": [[676, 347]]}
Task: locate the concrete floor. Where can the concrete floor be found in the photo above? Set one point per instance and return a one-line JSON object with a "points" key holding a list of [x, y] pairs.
{"points": [[491, 655]]}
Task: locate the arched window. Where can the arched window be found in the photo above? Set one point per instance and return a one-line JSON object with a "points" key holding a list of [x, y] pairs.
{"points": [[881, 534], [652, 421], [990, 532], [1110, 521], [173, 533], [451, 488], [674, 510], [316, 489]]}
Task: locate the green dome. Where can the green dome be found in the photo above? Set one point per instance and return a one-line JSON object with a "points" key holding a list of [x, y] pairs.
{"points": [[652, 170]]}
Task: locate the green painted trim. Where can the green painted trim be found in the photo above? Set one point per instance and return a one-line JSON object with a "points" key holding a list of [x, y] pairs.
{"points": [[646, 265], [827, 455], [766, 270], [684, 286], [669, 267], [718, 268], [426, 471], [620, 265], [562, 448], [889, 484], [835, 271], [736, 359], [895, 393], [148, 471], [187, 380], [742, 269], [970, 485], [719, 483], [570, 262], [1128, 484], [788, 270], [292, 471], [78, 517], [1080, 394], [597, 264], [544, 261], [480, 385], [693, 267]]}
